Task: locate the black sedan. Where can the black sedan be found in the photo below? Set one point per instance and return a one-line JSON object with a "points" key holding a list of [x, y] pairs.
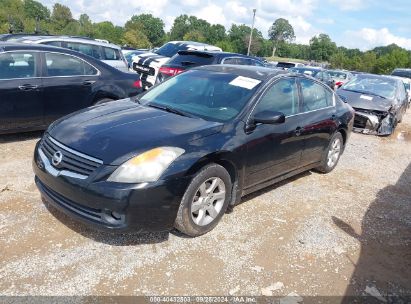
{"points": [[39, 84], [379, 102], [185, 60], [184, 151]]}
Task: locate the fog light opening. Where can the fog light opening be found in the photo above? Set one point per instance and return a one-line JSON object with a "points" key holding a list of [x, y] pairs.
{"points": [[116, 215]]}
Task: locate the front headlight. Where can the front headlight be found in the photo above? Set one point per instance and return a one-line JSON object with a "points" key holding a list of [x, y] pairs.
{"points": [[146, 167]]}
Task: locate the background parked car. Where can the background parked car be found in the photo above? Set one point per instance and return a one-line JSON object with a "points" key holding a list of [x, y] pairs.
{"points": [[287, 65], [185, 60], [318, 73], [402, 73], [379, 102], [340, 77], [106, 52], [40, 83], [185, 150], [148, 64], [130, 54]]}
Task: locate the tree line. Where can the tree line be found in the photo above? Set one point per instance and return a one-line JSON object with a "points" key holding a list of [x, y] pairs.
{"points": [[147, 31]]}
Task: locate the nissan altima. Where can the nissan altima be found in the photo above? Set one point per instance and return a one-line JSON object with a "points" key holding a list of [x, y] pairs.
{"points": [[180, 154]]}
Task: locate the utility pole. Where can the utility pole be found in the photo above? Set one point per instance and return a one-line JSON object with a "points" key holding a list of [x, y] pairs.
{"points": [[251, 34]]}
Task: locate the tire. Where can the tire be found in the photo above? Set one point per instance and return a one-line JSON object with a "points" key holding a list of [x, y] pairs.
{"points": [[103, 100], [332, 154], [209, 208]]}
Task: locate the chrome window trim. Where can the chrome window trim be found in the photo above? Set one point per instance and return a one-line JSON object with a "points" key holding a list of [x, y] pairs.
{"points": [[74, 152], [53, 171], [44, 51]]}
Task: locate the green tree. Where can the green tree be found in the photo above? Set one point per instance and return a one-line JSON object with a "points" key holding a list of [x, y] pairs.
{"points": [[60, 17], [214, 33], [184, 24], [106, 30], [238, 36], [322, 47], [86, 26], [135, 38], [194, 36], [280, 31], [35, 10], [150, 26]]}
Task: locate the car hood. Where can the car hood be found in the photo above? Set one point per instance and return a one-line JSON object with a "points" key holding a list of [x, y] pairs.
{"points": [[117, 131], [364, 101]]}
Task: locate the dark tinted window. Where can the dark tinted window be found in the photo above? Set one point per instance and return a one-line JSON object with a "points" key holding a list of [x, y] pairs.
{"points": [[256, 62], [191, 59], [236, 60], [281, 97], [66, 65], [170, 49], [315, 96], [87, 49], [402, 73], [17, 65], [53, 43], [286, 65]]}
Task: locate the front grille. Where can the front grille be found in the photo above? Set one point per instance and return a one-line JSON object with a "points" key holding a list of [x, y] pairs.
{"points": [[71, 160]]}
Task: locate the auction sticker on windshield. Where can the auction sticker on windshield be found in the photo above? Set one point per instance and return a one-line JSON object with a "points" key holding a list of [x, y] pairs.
{"points": [[366, 97], [245, 82]]}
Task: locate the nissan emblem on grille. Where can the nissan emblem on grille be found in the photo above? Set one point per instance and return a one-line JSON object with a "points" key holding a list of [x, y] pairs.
{"points": [[57, 158]]}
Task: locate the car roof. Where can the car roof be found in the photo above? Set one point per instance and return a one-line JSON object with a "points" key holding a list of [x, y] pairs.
{"points": [[260, 73], [216, 54], [39, 39]]}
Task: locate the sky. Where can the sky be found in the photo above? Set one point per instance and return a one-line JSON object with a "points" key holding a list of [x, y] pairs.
{"points": [[362, 24]]}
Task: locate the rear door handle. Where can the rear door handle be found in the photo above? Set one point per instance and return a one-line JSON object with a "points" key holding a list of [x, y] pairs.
{"points": [[88, 82], [298, 131], [28, 87]]}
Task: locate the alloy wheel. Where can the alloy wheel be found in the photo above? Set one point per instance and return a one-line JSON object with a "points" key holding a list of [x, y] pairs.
{"points": [[334, 153], [208, 201]]}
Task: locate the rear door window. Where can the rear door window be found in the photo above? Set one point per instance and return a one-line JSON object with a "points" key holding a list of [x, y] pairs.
{"points": [[87, 49], [53, 43], [17, 65], [111, 54], [65, 65], [315, 96]]}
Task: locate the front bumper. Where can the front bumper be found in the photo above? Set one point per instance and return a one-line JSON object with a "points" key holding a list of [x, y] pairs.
{"points": [[112, 206], [375, 123]]}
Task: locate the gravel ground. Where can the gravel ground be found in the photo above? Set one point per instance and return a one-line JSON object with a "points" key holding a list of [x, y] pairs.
{"points": [[344, 233]]}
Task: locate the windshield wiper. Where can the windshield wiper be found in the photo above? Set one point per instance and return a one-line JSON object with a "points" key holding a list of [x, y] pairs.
{"points": [[365, 92], [169, 109]]}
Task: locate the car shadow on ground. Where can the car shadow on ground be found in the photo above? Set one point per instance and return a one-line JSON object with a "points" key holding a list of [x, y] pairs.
{"points": [[384, 263], [10, 138], [114, 239]]}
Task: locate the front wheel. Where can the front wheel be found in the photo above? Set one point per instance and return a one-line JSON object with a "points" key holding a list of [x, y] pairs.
{"points": [[332, 155], [205, 201]]}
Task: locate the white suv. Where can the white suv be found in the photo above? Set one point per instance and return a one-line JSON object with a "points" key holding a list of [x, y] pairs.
{"points": [[148, 64], [99, 49]]}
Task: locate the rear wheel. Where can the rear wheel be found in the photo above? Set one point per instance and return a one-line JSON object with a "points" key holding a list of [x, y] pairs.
{"points": [[332, 154], [205, 201]]}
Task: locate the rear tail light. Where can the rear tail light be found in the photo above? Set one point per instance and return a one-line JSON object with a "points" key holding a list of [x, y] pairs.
{"points": [[170, 71], [339, 83], [138, 84]]}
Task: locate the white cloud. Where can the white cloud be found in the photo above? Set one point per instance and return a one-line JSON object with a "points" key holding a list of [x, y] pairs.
{"points": [[368, 38], [349, 5]]}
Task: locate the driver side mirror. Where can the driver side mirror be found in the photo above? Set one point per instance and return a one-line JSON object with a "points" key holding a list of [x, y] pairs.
{"points": [[269, 118]]}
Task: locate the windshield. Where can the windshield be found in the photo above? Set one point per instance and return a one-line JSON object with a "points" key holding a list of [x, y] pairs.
{"points": [[380, 86], [170, 49], [209, 95], [310, 72], [338, 75]]}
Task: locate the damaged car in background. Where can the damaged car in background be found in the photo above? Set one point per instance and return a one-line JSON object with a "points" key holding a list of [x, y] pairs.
{"points": [[379, 102]]}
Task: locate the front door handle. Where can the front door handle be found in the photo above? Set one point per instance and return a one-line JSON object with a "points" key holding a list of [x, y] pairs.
{"points": [[298, 131], [28, 87], [88, 82]]}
